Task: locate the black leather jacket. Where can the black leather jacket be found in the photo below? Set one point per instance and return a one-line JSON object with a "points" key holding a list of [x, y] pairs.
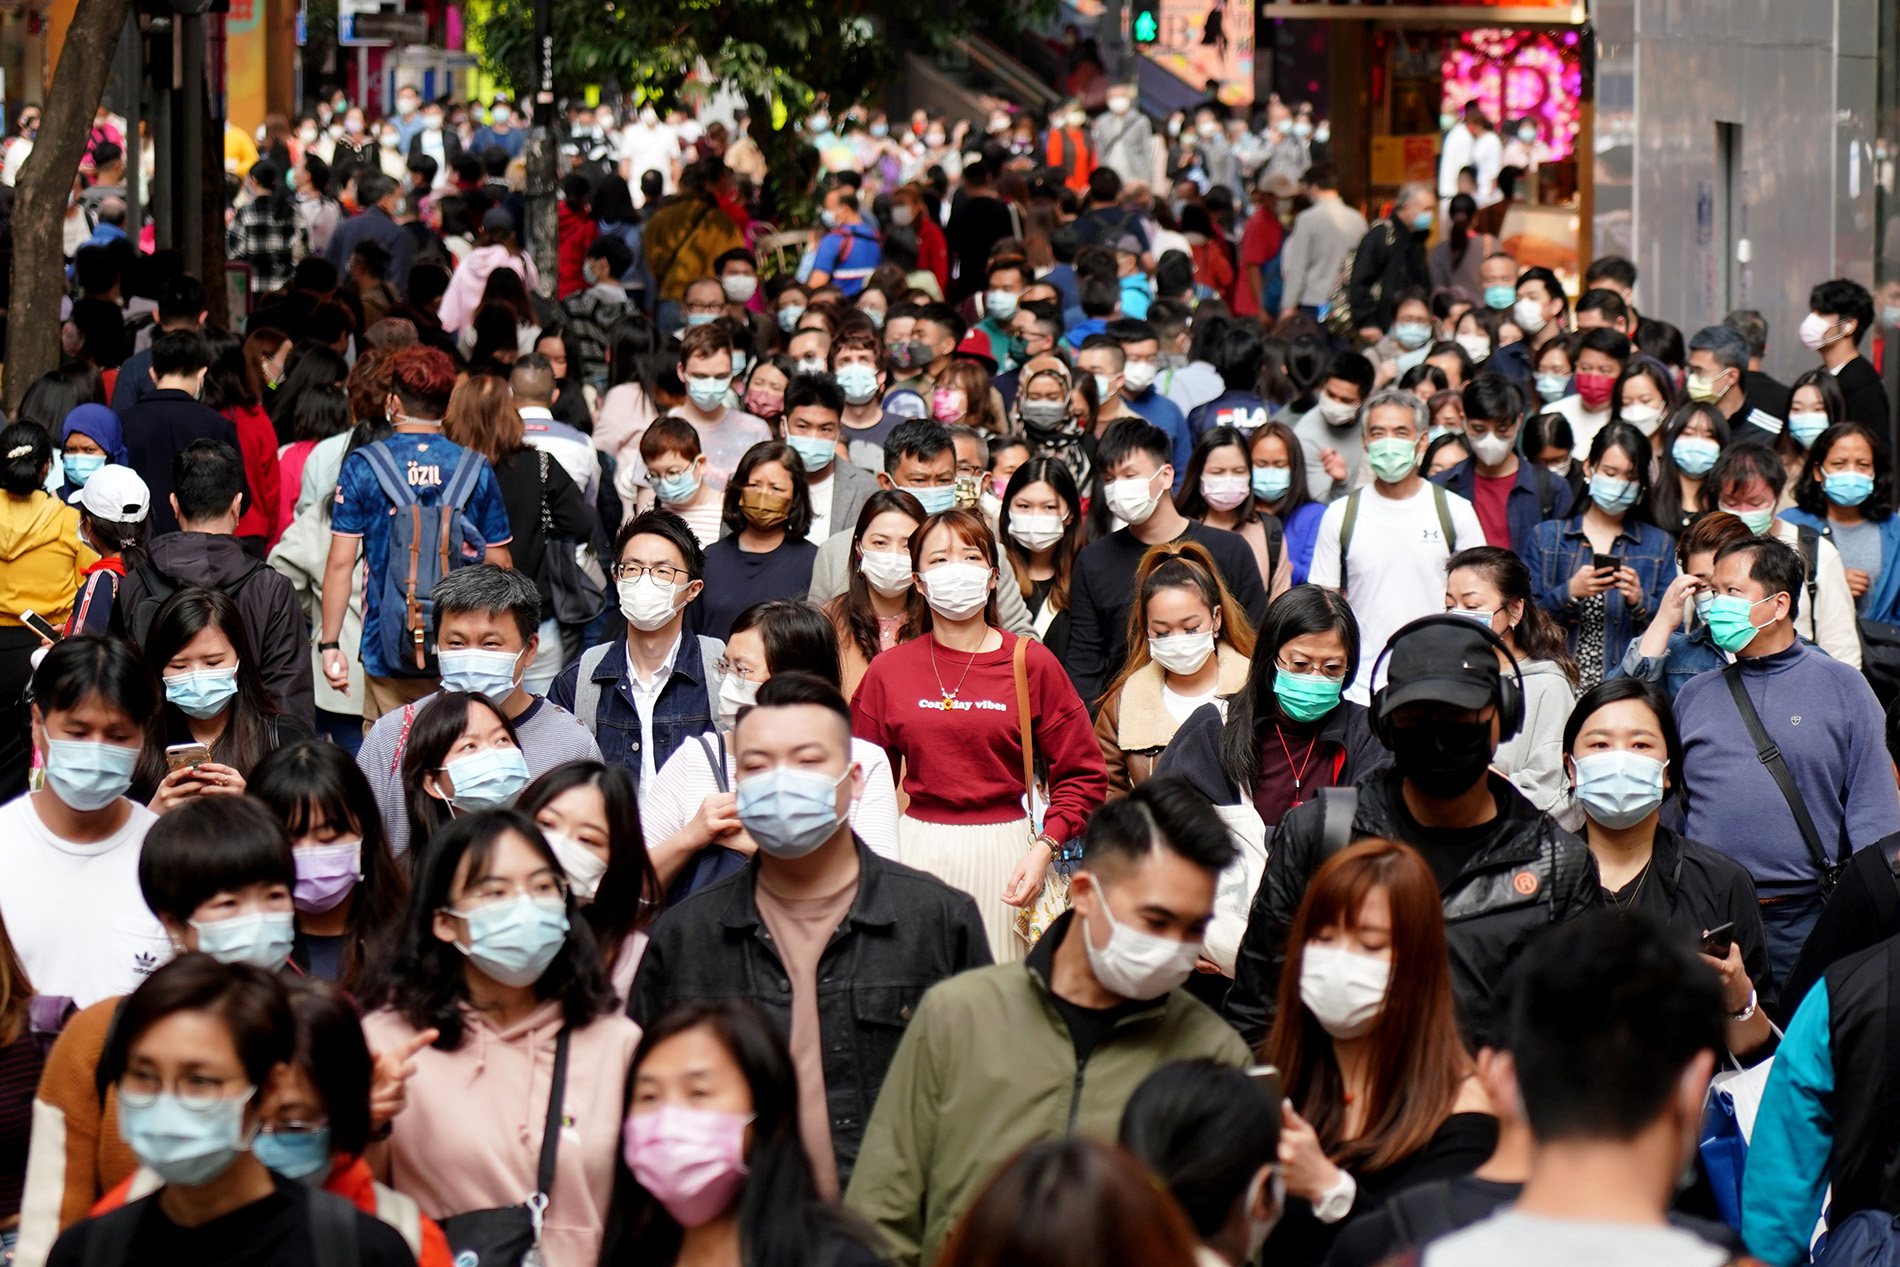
{"points": [[1531, 873], [905, 932]]}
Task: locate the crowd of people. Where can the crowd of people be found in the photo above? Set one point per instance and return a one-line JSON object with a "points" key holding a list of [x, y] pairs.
{"points": [[991, 745]]}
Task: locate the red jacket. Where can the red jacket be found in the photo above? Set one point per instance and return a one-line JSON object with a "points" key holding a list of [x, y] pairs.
{"points": [[933, 253], [577, 233], [352, 1181], [258, 439]]}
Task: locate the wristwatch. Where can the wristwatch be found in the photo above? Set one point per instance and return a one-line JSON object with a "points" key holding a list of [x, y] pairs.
{"points": [[1747, 1012], [1335, 1203]]}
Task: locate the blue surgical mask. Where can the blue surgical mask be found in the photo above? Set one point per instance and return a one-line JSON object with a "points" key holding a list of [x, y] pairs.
{"points": [[708, 393], [1500, 297], [88, 776], [1848, 488], [204, 693], [184, 1144], [1553, 386], [1619, 789], [935, 500], [80, 466], [1612, 496], [1694, 455], [788, 316], [739, 362], [1806, 426], [815, 452], [788, 811], [702, 319], [858, 382], [295, 1154], [674, 489], [514, 942], [488, 673], [487, 779], [1271, 482], [1422, 222], [263, 938], [1000, 305], [1412, 334]]}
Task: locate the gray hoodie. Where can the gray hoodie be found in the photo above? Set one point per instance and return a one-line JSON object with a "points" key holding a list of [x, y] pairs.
{"points": [[1533, 759]]}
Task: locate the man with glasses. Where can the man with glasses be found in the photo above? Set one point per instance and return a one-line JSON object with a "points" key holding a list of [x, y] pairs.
{"points": [[644, 695], [487, 631]]}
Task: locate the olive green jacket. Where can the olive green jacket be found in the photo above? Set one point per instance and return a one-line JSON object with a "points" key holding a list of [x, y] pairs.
{"points": [[987, 1068]]}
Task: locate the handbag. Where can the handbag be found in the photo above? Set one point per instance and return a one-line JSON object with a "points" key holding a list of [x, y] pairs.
{"points": [[1053, 902], [510, 1236], [578, 598]]}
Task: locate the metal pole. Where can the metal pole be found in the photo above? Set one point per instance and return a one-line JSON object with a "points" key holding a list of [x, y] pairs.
{"points": [[164, 133], [190, 179], [131, 83], [542, 157], [362, 77]]}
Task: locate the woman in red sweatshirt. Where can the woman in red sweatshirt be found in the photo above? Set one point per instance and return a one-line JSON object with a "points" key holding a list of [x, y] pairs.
{"points": [[947, 708], [576, 232]]}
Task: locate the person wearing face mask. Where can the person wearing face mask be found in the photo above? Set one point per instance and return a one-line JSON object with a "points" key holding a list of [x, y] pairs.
{"points": [[199, 1024], [1409, 340], [461, 756], [1840, 314], [1748, 481], [814, 405], [1332, 444], [1361, 1120], [1601, 355], [112, 523], [1123, 137], [1391, 259], [873, 614], [500, 131], [1211, 1136], [795, 777], [1135, 460], [1839, 785], [1041, 527], [493, 959], [1009, 276], [1101, 356], [857, 361], [1542, 312], [1691, 442], [715, 1114], [675, 471], [1218, 490], [1645, 397], [1511, 495], [1844, 493], [215, 706], [1070, 149], [590, 815], [1195, 652], [1602, 572], [725, 434], [848, 253], [688, 813], [767, 552], [1141, 351], [1445, 705], [1718, 369], [1815, 404], [1677, 645]]}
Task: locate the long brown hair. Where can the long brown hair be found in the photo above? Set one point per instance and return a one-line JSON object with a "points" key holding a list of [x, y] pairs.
{"points": [[968, 526], [1180, 565], [481, 416], [1418, 1061], [851, 612], [1535, 635], [16, 992], [1045, 470]]}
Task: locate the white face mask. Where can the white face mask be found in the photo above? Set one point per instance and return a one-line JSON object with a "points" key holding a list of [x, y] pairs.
{"points": [[888, 573], [1489, 449], [1134, 500], [1529, 314], [1036, 532], [734, 694], [1645, 418], [1138, 375], [1258, 1229], [1343, 989], [583, 866], [957, 591], [1134, 964], [1337, 412], [1182, 653], [648, 603]]}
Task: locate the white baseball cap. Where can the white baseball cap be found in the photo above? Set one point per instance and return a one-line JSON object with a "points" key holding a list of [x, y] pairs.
{"points": [[117, 494]]}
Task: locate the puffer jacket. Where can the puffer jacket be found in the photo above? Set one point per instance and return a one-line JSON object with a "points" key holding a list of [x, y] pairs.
{"points": [[1530, 873], [1345, 737], [1134, 726]]}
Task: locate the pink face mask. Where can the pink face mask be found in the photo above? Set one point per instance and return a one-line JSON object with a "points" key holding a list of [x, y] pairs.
{"points": [[948, 404], [691, 1160], [325, 875], [764, 404]]}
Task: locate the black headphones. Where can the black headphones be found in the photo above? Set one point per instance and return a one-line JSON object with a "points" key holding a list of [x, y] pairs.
{"points": [[1510, 692]]}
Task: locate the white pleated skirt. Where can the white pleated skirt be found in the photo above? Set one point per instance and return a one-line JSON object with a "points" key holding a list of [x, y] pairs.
{"points": [[977, 858]]}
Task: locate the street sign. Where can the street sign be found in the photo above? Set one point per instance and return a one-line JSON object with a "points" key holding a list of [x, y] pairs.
{"points": [[390, 28], [1145, 23]]}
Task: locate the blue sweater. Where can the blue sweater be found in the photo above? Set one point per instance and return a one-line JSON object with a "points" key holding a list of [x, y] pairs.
{"points": [[1824, 718]]}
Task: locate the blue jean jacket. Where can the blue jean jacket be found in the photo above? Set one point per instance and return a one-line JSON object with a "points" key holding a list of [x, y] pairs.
{"points": [[1524, 508], [682, 710], [1687, 655], [1558, 548], [1882, 601]]}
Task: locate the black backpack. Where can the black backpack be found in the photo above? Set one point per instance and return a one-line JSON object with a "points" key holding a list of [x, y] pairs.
{"points": [[332, 1231]]}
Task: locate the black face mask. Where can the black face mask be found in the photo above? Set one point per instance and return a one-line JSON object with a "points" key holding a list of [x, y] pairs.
{"points": [[1442, 758]]}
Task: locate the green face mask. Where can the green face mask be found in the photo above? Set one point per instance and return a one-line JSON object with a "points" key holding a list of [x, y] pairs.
{"points": [[1731, 623], [1306, 696], [1392, 460], [1757, 521]]}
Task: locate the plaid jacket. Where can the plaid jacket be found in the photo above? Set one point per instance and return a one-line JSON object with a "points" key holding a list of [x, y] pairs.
{"points": [[266, 240], [591, 314]]}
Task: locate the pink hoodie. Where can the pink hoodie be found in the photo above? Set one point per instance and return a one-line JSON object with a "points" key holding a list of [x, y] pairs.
{"points": [[464, 294]]}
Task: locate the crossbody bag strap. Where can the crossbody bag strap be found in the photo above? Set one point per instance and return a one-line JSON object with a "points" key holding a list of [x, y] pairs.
{"points": [[714, 746], [1443, 503], [551, 1134], [1019, 667], [1346, 525], [1770, 756]]}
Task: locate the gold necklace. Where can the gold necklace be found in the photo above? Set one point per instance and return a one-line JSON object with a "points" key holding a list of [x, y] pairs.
{"points": [[1642, 878], [950, 696]]}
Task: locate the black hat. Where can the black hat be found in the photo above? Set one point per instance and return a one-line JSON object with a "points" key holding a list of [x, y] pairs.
{"points": [[1439, 662]]}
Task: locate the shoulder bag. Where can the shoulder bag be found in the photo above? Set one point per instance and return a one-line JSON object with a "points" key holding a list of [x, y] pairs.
{"points": [[1050, 904], [1770, 756], [510, 1236]]}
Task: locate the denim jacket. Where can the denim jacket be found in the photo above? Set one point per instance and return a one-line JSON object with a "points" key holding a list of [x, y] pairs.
{"points": [[1687, 655], [905, 932], [1558, 548], [682, 710], [1524, 507]]}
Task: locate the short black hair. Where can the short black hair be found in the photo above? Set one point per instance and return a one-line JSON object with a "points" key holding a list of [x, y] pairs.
{"points": [[1104, 185], [813, 389], [1774, 565], [80, 667], [375, 257], [1609, 268], [1742, 464], [1607, 302], [488, 587], [181, 299], [1606, 1011], [211, 845], [943, 316], [920, 438], [1128, 330], [315, 274], [659, 522], [1132, 435], [179, 352], [1845, 299], [783, 690], [1751, 325], [249, 1000], [206, 476], [614, 249], [1553, 289], [1205, 1129], [1355, 368], [1104, 343], [1611, 343], [372, 187], [1099, 296], [1493, 397], [1162, 812]]}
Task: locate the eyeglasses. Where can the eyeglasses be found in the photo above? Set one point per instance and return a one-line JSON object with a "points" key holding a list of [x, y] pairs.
{"points": [[727, 668], [665, 573], [294, 1127], [198, 1092], [1336, 673]]}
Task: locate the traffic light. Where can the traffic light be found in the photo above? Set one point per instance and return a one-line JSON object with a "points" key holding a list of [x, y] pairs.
{"points": [[1145, 22]]}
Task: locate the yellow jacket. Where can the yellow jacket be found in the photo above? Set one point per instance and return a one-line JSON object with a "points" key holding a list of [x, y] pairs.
{"points": [[42, 560]]}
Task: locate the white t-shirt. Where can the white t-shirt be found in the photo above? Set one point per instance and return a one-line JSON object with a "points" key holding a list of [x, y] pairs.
{"points": [[1511, 1239], [1396, 564], [649, 149], [74, 911], [821, 491], [1181, 707], [1584, 423], [687, 779]]}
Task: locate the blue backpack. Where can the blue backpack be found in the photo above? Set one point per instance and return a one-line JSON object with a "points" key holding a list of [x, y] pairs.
{"points": [[426, 543]]}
